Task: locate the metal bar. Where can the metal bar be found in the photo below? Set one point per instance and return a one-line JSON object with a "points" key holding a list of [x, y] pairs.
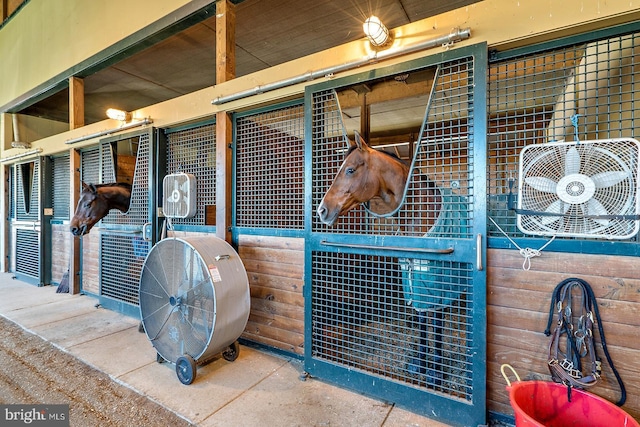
{"points": [[21, 155], [110, 131], [446, 40], [479, 252], [388, 248]]}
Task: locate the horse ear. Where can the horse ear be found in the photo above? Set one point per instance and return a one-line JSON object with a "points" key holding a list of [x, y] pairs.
{"points": [[86, 187], [92, 188], [360, 142]]}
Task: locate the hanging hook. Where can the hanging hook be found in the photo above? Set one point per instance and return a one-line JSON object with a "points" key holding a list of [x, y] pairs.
{"points": [[574, 122]]}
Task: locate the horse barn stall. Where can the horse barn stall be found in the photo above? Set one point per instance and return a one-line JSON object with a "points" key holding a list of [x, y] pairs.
{"points": [[398, 299], [114, 250], [29, 216], [60, 197], [270, 221]]}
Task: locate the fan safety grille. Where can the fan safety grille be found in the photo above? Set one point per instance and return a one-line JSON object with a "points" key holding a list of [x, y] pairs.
{"points": [[179, 192], [579, 189], [177, 300]]}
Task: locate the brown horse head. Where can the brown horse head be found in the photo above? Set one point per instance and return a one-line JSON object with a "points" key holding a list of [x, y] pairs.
{"points": [[95, 203], [365, 174]]}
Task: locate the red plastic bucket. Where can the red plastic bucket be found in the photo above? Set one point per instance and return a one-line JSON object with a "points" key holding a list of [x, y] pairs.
{"points": [[545, 404]]}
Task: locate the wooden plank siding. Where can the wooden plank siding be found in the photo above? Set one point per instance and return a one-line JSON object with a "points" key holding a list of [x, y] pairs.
{"points": [[275, 266], [518, 308], [90, 262], [61, 240]]}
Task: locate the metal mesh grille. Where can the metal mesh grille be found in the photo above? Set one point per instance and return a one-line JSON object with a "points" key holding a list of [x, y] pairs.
{"points": [[174, 268], [12, 195], [364, 318], [329, 147], [439, 197], [194, 151], [138, 212], [270, 169], [27, 191], [531, 100], [61, 187], [107, 161], [28, 252], [90, 165], [121, 259]]}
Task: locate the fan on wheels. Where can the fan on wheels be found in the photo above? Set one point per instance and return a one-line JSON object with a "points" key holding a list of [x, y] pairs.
{"points": [[194, 301], [579, 189]]}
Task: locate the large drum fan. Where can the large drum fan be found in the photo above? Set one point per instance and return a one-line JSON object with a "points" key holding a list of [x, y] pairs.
{"points": [[194, 301]]}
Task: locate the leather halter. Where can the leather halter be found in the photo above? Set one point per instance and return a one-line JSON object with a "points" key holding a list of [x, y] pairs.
{"points": [[566, 367]]}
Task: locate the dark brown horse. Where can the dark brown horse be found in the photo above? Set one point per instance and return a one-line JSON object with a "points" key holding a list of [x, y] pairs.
{"points": [[96, 200]]}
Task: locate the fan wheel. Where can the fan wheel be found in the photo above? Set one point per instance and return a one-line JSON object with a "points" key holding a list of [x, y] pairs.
{"points": [[232, 352], [186, 369]]}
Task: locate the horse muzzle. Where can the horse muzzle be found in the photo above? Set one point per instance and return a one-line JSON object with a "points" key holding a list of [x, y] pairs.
{"points": [[327, 218], [79, 231]]}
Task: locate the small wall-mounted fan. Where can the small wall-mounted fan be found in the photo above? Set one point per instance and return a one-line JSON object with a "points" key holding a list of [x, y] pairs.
{"points": [[179, 195], [580, 189]]}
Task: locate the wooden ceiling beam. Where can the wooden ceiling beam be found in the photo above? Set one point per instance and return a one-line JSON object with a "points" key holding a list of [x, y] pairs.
{"points": [[76, 103]]}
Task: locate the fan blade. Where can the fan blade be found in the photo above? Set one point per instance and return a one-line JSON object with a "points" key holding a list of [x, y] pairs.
{"points": [[594, 207], [558, 207], [572, 161], [609, 179], [541, 183]]}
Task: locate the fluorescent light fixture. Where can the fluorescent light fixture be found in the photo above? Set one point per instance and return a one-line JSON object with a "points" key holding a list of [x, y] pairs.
{"points": [[376, 31], [115, 114]]}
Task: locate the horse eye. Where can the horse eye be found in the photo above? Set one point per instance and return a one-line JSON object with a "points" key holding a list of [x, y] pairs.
{"points": [[350, 171]]}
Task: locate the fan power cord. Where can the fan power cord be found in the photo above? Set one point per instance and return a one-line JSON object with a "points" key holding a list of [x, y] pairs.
{"points": [[527, 253]]}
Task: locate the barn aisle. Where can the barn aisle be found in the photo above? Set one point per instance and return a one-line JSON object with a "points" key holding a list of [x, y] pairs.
{"points": [[258, 389]]}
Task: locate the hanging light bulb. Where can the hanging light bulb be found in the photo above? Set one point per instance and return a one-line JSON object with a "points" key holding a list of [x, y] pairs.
{"points": [[376, 31]]}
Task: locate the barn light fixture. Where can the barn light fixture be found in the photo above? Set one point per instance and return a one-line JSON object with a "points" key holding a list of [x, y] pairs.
{"points": [[123, 116], [376, 31]]}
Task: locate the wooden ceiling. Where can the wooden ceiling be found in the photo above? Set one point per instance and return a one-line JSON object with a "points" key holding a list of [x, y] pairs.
{"points": [[268, 33]]}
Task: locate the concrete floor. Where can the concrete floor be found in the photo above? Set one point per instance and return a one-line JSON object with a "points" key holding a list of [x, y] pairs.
{"points": [[258, 389]]}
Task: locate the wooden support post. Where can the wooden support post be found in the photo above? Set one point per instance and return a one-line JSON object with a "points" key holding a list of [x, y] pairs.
{"points": [[225, 70], [5, 225], [365, 118], [74, 196], [76, 103], [4, 9], [225, 41]]}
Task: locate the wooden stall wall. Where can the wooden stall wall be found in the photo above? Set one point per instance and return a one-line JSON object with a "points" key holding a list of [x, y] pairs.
{"points": [[518, 308], [90, 259], [269, 219], [275, 266], [60, 248]]}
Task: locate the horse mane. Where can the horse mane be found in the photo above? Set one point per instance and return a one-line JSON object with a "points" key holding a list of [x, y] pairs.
{"points": [[392, 155], [112, 184]]}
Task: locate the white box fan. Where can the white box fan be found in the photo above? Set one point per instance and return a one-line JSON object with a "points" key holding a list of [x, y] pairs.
{"points": [[179, 190], [580, 189]]}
